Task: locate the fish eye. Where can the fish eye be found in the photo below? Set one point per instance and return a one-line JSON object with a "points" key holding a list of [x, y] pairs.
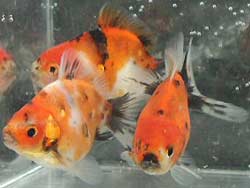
{"points": [[31, 132], [170, 151], [52, 69]]}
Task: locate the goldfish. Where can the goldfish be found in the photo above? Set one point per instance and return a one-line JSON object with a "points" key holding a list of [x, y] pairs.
{"points": [[121, 44], [7, 71], [58, 127], [163, 126]]}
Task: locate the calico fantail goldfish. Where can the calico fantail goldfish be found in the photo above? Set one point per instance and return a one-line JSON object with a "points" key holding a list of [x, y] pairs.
{"points": [[163, 126], [121, 43], [58, 127], [7, 71]]}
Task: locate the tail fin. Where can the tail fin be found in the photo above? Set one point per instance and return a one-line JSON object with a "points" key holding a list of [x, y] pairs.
{"points": [[125, 111], [199, 102]]}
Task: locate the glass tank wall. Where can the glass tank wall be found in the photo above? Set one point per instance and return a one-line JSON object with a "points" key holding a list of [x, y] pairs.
{"points": [[221, 44]]}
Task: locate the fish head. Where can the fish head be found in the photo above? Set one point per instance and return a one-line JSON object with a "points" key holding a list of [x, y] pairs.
{"points": [[43, 72], [157, 145], [28, 134], [7, 73]]}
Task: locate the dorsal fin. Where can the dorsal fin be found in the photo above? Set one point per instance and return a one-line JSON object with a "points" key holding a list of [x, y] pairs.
{"points": [[75, 65], [114, 16], [174, 55]]}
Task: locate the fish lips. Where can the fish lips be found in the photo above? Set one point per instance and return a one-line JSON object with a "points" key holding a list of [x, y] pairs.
{"points": [[8, 139]]}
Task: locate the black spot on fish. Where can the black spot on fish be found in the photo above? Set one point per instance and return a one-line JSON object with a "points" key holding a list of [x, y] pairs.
{"points": [[26, 117], [78, 38], [186, 125], [160, 112], [134, 62], [146, 147], [177, 83], [38, 60], [101, 42], [147, 66], [85, 96], [91, 115], [85, 130], [145, 40], [139, 144], [5, 59]]}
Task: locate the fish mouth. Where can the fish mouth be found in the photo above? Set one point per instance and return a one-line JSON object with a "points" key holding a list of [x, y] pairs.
{"points": [[152, 165], [8, 139]]}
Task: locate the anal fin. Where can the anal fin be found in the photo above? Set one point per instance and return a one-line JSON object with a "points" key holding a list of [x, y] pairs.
{"points": [[88, 170], [184, 171]]}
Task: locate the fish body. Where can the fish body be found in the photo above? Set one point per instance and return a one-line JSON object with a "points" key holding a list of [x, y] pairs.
{"points": [[59, 126], [7, 71], [163, 127], [121, 42], [60, 109]]}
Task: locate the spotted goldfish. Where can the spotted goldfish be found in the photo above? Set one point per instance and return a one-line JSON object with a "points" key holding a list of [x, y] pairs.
{"points": [[163, 127], [7, 71], [120, 44], [58, 127]]}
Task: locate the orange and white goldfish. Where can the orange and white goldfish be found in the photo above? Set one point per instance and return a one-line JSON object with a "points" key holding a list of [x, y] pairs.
{"points": [[7, 71], [57, 128], [120, 44], [163, 127]]}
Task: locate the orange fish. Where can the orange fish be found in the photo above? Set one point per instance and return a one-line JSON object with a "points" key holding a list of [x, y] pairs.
{"points": [[163, 127], [121, 43], [7, 71], [58, 127]]}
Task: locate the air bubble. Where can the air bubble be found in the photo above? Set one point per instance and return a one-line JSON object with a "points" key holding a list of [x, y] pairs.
{"points": [[248, 4], [11, 18], [55, 4], [221, 27], [181, 14], [202, 3], [130, 8], [192, 32], [216, 33], [234, 13], [247, 84], [140, 10], [198, 33], [3, 18], [205, 166], [134, 15], [214, 6], [230, 8], [142, 7], [206, 27], [237, 88], [242, 11], [150, 1], [174, 5]]}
